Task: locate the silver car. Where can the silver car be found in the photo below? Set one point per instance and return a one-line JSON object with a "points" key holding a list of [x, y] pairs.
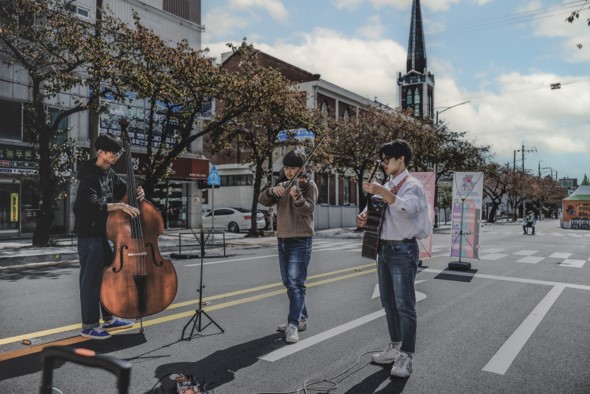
{"points": [[232, 219]]}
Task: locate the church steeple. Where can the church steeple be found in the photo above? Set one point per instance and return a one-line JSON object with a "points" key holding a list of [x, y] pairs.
{"points": [[416, 87], [416, 47]]}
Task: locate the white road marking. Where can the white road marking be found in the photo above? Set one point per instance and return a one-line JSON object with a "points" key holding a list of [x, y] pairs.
{"points": [[376, 292], [233, 260], [504, 357], [530, 259], [561, 255], [493, 256], [492, 250], [307, 342], [572, 263], [525, 252]]}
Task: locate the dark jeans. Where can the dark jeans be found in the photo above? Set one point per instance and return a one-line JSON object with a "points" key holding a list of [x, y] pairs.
{"points": [[531, 225], [397, 266], [294, 256], [95, 253]]}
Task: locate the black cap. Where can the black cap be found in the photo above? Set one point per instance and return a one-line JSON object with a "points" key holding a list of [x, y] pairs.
{"points": [[293, 159]]}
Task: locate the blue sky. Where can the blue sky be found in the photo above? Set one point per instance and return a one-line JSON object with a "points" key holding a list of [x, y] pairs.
{"points": [[500, 55]]}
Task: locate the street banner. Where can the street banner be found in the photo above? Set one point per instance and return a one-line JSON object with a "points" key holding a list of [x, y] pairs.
{"points": [[428, 180], [14, 207], [466, 214]]}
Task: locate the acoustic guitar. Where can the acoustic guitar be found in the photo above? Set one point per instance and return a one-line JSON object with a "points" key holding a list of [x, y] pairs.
{"points": [[375, 211]]}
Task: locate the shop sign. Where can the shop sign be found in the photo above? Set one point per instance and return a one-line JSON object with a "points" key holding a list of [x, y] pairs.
{"points": [[14, 207], [182, 167], [18, 160]]}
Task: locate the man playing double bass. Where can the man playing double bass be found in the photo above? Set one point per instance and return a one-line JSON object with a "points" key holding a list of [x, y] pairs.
{"points": [[98, 191], [405, 220]]}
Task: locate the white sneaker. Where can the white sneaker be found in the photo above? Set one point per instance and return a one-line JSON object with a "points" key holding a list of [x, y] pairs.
{"points": [[302, 326], [403, 366], [387, 356], [291, 334]]}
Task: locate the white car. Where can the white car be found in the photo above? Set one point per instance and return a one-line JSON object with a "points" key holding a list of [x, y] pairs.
{"points": [[232, 219]]}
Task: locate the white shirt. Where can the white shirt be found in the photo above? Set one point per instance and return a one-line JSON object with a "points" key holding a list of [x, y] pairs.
{"points": [[408, 216]]}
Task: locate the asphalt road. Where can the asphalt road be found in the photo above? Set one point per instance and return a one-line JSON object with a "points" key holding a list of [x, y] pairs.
{"points": [[516, 323]]}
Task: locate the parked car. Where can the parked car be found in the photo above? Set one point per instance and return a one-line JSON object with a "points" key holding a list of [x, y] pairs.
{"points": [[232, 219]]}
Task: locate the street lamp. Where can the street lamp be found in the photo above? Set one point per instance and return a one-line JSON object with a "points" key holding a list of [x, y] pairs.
{"points": [[436, 215], [448, 108]]}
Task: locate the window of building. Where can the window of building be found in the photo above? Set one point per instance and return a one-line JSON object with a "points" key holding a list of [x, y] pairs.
{"points": [[324, 109], [346, 115], [79, 11], [324, 189], [409, 96], [417, 102], [346, 197], [12, 120], [237, 180]]}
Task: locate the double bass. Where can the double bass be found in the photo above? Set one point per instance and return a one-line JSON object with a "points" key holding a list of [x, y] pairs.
{"points": [[139, 282]]}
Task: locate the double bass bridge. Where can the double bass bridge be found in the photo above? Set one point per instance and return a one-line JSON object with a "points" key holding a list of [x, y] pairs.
{"points": [[137, 254]]}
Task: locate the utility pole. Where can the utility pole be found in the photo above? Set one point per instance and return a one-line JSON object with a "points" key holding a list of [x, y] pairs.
{"points": [[523, 150]]}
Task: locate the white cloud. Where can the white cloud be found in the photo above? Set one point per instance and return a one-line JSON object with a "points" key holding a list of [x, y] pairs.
{"points": [[349, 5], [570, 34], [366, 67], [275, 8], [373, 29], [524, 110], [220, 21]]}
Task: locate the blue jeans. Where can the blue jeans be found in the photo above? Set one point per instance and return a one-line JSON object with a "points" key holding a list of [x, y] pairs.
{"points": [[294, 256], [95, 253], [397, 266]]}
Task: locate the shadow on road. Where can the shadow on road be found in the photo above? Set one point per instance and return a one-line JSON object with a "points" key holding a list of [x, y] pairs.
{"points": [[220, 367], [376, 381], [31, 363]]}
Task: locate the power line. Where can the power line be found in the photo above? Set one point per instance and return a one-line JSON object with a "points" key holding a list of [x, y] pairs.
{"points": [[510, 19], [473, 98]]}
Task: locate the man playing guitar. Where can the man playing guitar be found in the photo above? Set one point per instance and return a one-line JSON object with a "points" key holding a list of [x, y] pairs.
{"points": [[405, 220]]}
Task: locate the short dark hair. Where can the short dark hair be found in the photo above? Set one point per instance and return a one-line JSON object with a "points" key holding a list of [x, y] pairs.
{"points": [[108, 142], [397, 149], [293, 159]]}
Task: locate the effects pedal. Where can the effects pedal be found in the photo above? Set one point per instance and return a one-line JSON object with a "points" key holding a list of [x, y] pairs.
{"points": [[188, 385]]}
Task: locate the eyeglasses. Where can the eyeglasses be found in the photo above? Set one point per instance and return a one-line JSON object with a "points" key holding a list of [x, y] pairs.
{"points": [[385, 160]]}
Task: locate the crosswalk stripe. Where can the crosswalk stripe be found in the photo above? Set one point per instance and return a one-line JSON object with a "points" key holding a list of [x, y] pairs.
{"points": [[572, 263]]}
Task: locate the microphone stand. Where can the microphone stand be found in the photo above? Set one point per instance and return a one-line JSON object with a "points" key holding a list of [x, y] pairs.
{"points": [[197, 318]]}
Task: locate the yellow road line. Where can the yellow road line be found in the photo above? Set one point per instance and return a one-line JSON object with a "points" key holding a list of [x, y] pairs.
{"points": [[209, 308]]}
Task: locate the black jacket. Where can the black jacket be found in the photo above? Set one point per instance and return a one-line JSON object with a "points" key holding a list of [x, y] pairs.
{"points": [[97, 188]]}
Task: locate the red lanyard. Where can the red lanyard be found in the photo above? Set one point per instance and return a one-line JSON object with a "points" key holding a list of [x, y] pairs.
{"points": [[396, 188]]}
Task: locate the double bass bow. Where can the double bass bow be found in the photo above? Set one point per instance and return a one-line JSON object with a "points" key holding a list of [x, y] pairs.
{"points": [[139, 282]]}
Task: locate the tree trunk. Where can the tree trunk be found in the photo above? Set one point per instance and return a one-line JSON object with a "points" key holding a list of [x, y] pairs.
{"points": [[47, 184], [492, 213], [253, 232]]}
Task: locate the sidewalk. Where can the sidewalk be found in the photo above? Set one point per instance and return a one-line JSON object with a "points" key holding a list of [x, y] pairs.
{"points": [[17, 252]]}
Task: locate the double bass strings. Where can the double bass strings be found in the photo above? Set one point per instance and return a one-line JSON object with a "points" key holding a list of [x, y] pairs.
{"points": [[139, 252]]}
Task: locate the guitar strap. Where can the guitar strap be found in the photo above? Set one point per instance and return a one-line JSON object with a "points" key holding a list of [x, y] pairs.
{"points": [[396, 188]]}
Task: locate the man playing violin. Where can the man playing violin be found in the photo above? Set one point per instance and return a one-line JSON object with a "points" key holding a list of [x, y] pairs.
{"points": [[295, 200], [99, 189], [405, 220]]}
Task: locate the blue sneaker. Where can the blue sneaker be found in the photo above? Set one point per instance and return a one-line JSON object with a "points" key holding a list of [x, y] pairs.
{"points": [[117, 324], [95, 333]]}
